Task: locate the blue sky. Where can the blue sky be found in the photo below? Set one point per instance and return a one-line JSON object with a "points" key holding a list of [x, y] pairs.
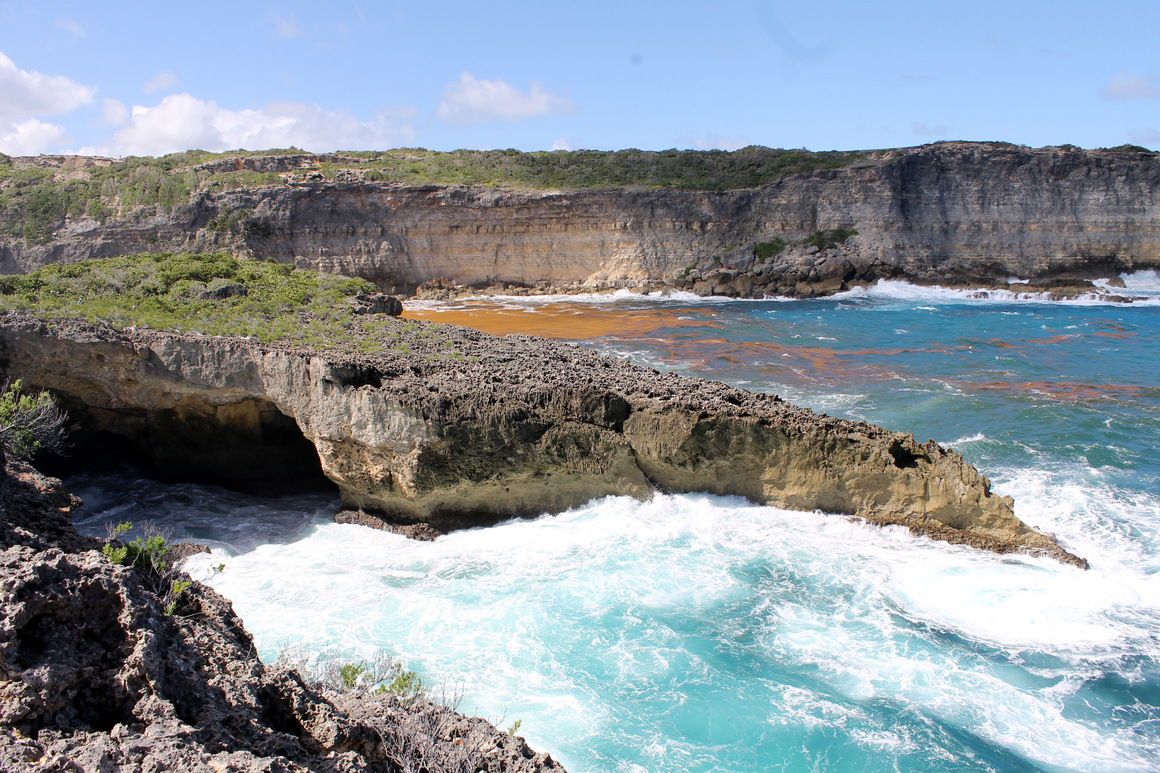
{"points": [[142, 78]]}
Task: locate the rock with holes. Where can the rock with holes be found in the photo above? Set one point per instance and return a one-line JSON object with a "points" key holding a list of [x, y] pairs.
{"points": [[95, 675], [376, 303], [456, 428]]}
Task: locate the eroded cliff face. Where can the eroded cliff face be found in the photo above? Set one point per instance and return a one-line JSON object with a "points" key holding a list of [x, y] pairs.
{"points": [[459, 428], [954, 213]]}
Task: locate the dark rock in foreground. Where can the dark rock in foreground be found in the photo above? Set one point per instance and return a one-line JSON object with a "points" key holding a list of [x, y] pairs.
{"points": [[94, 676], [457, 428]]}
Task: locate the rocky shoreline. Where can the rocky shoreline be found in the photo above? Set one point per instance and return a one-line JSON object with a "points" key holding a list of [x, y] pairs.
{"points": [[96, 675], [958, 215], [451, 428]]}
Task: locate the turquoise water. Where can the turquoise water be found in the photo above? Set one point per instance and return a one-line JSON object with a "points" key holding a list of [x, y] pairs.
{"points": [[695, 633]]}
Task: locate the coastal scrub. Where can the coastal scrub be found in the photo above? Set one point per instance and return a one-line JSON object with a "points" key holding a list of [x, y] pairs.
{"points": [[214, 294]]}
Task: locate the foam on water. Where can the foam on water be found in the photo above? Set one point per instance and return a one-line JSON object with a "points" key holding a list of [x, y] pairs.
{"points": [[697, 633], [705, 633], [1145, 291]]}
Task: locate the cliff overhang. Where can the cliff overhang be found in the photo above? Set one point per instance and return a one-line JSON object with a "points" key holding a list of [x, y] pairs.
{"points": [[457, 428]]}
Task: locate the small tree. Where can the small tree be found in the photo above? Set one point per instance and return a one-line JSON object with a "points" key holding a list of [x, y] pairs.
{"points": [[29, 422]]}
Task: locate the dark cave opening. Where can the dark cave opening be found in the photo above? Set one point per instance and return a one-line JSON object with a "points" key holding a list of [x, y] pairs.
{"points": [[248, 446]]}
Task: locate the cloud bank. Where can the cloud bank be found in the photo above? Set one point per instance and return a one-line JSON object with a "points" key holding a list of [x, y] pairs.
{"points": [[183, 122], [28, 96]]}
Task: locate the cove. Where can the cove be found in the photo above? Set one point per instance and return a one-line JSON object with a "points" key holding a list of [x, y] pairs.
{"points": [[690, 632]]}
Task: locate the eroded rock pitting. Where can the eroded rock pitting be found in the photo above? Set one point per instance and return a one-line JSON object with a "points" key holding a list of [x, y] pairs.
{"points": [[458, 428], [95, 674]]}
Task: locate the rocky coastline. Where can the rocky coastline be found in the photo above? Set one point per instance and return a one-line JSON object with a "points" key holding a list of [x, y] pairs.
{"points": [[454, 428], [97, 674], [959, 215]]}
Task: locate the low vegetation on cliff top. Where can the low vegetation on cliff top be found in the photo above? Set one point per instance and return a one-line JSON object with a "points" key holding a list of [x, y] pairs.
{"points": [[210, 294], [37, 197]]}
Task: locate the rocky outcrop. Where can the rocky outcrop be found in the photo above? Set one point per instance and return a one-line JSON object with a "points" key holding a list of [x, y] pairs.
{"points": [[95, 674], [457, 428], [959, 214]]}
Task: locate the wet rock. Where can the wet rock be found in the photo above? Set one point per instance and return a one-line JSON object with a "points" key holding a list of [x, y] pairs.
{"points": [[96, 675]]}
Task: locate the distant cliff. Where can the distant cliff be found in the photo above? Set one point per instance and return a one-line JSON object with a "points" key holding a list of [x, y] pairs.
{"points": [[958, 214]]}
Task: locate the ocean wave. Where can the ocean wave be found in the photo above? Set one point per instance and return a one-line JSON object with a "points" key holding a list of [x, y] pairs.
{"points": [[1142, 287], [626, 625], [898, 290]]}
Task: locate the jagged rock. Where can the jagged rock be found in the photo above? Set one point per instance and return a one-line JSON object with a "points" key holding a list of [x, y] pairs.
{"points": [[459, 428], [94, 675], [376, 304]]}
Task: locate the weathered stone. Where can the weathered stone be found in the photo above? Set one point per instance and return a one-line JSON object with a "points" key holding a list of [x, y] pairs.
{"points": [[957, 213], [223, 292], [95, 674], [518, 427], [377, 303]]}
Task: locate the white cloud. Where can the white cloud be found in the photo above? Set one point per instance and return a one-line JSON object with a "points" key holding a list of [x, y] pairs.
{"points": [[70, 26], [561, 144], [28, 138], [285, 26], [1124, 86], [161, 80], [472, 100], [113, 111], [29, 94], [183, 122], [717, 142]]}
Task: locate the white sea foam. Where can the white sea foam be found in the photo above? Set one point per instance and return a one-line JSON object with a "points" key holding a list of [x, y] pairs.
{"points": [[623, 297], [896, 290], [1142, 286], [581, 620]]}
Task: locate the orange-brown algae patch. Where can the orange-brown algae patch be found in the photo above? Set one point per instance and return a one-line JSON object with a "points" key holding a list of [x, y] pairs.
{"points": [[560, 321]]}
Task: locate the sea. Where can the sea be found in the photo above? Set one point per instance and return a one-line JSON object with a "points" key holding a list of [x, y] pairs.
{"points": [[697, 633]]}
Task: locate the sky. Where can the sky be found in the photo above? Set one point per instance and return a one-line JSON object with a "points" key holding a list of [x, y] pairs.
{"points": [[149, 78]]}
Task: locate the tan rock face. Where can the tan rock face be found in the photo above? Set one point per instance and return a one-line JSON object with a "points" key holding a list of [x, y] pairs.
{"points": [[953, 213], [508, 427]]}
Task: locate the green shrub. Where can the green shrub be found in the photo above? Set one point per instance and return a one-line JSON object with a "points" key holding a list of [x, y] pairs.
{"points": [[147, 551], [175, 590], [29, 422], [766, 250], [825, 240]]}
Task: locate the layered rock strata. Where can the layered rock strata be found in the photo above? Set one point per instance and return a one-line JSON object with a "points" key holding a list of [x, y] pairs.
{"points": [[455, 428], [957, 214], [95, 674]]}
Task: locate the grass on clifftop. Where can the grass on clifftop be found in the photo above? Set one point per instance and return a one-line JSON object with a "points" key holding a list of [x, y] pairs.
{"points": [[37, 198], [271, 301]]}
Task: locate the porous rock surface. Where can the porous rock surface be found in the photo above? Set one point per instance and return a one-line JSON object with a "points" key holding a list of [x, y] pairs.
{"points": [[957, 214], [455, 428], [94, 676]]}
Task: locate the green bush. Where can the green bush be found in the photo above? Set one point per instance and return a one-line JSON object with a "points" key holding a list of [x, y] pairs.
{"points": [[147, 551], [29, 422], [766, 250], [162, 291], [825, 240]]}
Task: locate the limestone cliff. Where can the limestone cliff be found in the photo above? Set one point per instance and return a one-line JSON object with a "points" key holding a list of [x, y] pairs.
{"points": [[457, 428], [953, 213]]}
